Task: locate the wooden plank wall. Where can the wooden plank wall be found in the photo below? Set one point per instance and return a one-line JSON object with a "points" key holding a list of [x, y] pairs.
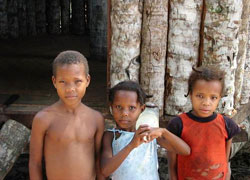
{"points": [[19, 18]]}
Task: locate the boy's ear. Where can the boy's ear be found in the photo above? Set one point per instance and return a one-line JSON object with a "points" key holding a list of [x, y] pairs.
{"points": [[110, 109], [88, 79], [54, 81]]}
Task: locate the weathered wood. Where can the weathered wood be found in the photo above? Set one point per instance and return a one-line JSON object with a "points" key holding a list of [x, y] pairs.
{"points": [[53, 16], [40, 6], [221, 27], [13, 139], [241, 57], [22, 18], [65, 15], [108, 45], [12, 9], [153, 50], [78, 17], [246, 82], [126, 21], [31, 17], [183, 48], [98, 28], [3, 19]]}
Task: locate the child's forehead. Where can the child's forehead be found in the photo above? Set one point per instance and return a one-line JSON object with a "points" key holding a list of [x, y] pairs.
{"points": [[211, 85], [79, 68], [125, 94]]}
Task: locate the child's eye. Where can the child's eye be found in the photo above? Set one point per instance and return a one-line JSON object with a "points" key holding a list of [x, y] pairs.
{"points": [[118, 107], [131, 108], [78, 81], [214, 98], [61, 81], [199, 96]]}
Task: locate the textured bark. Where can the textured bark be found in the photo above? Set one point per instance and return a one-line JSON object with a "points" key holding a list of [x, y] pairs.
{"points": [[31, 17], [13, 28], [126, 20], [65, 15], [183, 48], [3, 19], [153, 50], [98, 28], [40, 16], [241, 57], [13, 139], [246, 82], [78, 24], [221, 27], [22, 20], [53, 16]]}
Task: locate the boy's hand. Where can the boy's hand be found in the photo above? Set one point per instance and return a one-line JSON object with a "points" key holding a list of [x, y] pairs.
{"points": [[140, 135], [154, 133]]}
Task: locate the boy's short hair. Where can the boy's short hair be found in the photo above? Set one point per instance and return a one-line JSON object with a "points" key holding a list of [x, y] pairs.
{"points": [[128, 86], [70, 57], [207, 73]]}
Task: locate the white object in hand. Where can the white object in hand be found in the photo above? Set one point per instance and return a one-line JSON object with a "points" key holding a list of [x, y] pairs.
{"points": [[149, 116]]}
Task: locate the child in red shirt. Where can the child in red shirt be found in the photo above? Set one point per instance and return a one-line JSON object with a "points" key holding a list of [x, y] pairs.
{"points": [[207, 133]]}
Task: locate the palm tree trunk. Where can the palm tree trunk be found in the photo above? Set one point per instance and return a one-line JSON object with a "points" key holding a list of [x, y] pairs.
{"points": [[153, 50], [126, 20], [221, 27], [183, 52]]}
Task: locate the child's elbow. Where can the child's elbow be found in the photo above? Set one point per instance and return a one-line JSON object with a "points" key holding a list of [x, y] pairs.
{"points": [[186, 151]]}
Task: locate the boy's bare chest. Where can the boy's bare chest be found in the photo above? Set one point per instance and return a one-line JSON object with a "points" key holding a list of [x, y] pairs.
{"points": [[72, 130]]}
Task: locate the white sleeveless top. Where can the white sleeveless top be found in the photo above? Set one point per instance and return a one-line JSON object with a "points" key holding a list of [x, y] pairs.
{"points": [[140, 164]]}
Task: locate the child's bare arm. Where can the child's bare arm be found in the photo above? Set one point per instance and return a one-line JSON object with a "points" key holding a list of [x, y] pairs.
{"points": [[169, 141], [228, 151], [98, 141], [109, 162], [39, 127], [172, 166]]}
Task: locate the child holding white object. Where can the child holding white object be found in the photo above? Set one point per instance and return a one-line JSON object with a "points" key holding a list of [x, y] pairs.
{"points": [[125, 154]]}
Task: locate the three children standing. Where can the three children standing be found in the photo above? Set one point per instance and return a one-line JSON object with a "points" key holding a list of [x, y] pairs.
{"points": [[69, 135]]}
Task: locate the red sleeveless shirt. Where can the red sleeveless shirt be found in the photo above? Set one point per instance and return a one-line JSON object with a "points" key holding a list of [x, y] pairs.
{"points": [[208, 149]]}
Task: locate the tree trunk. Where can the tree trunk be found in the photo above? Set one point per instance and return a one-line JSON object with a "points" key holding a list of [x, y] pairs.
{"points": [[3, 19], [54, 16], [126, 20], [78, 24], [65, 15], [183, 52], [31, 17], [246, 82], [22, 18], [221, 44], [40, 16], [13, 139], [98, 28], [13, 28], [153, 50], [241, 57]]}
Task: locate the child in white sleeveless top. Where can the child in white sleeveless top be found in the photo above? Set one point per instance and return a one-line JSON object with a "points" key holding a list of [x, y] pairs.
{"points": [[126, 153]]}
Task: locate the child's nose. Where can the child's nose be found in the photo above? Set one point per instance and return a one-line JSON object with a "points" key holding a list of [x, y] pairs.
{"points": [[206, 101], [125, 112], [70, 87]]}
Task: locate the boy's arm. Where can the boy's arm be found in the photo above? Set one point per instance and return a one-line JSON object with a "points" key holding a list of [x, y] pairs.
{"points": [[39, 127], [109, 162], [172, 165], [228, 151], [98, 142], [169, 141]]}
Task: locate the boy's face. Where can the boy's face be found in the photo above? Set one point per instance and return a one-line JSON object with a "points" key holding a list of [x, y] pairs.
{"points": [[205, 97], [126, 109], [71, 83]]}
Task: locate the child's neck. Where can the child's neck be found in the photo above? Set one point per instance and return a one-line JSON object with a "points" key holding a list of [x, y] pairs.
{"points": [[131, 129]]}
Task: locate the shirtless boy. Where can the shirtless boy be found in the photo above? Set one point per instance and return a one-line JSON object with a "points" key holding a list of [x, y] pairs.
{"points": [[68, 133]]}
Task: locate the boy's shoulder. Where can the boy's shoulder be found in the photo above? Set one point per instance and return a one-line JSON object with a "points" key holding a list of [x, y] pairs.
{"points": [[91, 112]]}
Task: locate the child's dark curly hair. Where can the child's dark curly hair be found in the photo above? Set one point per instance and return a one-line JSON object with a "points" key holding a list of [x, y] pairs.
{"points": [[128, 86], [208, 73]]}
